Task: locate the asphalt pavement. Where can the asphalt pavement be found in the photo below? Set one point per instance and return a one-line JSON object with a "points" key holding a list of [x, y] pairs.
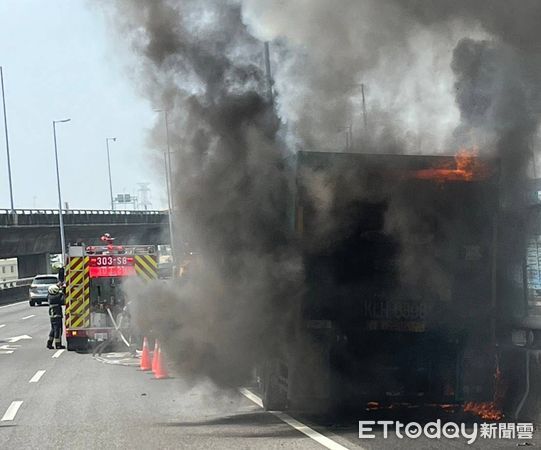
{"points": [[57, 400], [65, 400]]}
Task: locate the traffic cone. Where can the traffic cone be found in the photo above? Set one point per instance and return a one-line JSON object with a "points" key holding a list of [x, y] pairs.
{"points": [[161, 370], [145, 356], [155, 356]]}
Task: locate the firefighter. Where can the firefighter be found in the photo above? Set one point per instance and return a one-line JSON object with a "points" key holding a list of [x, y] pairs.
{"points": [[56, 301]]}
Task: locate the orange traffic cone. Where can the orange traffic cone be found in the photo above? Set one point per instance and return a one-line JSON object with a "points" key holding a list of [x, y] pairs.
{"points": [[155, 356], [145, 356], [161, 370]]}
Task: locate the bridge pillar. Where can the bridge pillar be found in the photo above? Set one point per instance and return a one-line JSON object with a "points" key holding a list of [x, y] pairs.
{"points": [[30, 265]]}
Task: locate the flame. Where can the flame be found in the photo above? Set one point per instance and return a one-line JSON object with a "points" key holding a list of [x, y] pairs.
{"points": [[467, 167], [490, 410], [447, 406], [485, 410]]}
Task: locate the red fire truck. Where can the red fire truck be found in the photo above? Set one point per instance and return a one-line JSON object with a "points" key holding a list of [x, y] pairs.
{"points": [[94, 292]]}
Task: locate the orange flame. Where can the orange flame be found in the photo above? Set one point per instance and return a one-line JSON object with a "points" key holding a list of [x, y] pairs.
{"points": [[490, 410], [467, 167], [485, 410]]}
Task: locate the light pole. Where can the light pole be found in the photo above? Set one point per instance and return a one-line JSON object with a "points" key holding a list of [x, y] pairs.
{"points": [[169, 182], [364, 109], [7, 140], [170, 202], [60, 218], [109, 166], [168, 158]]}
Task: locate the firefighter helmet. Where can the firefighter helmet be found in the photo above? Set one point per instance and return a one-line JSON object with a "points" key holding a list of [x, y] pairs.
{"points": [[54, 289]]}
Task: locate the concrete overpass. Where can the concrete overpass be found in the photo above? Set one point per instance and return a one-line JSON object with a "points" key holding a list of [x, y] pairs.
{"points": [[32, 234]]}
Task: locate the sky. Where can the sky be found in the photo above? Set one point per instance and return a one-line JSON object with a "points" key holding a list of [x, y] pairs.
{"points": [[60, 61]]}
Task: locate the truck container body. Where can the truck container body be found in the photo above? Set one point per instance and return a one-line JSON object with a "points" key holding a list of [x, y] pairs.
{"points": [[410, 295]]}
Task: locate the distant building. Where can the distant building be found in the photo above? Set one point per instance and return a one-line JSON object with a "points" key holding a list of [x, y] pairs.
{"points": [[8, 271]]}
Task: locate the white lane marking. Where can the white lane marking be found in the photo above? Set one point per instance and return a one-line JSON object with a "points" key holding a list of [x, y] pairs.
{"points": [[28, 317], [58, 353], [12, 411], [304, 429], [37, 376], [13, 304], [18, 338], [251, 396], [3, 325], [312, 434], [7, 349]]}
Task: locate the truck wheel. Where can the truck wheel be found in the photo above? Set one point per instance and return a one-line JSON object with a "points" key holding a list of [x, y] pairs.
{"points": [[32, 303], [70, 346], [274, 396]]}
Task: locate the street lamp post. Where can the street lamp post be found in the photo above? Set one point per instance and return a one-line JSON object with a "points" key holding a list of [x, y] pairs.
{"points": [[7, 140], [168, 158], [170, 202], [60, 217], [109, 166], [169, 182]]}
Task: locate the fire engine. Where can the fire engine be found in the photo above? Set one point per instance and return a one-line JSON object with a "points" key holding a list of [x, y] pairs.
{"points": [[94, 292]]}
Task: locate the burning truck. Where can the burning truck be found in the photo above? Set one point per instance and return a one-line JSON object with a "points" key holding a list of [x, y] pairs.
{"points": [[422, 287]]}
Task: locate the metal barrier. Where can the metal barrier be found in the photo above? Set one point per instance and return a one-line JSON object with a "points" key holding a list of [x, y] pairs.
{"points": [[29, 217], [84, 211], [16, 283], [14, 290]]}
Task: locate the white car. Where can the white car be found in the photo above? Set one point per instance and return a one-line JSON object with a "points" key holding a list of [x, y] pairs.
{"points": [[39, 288]]}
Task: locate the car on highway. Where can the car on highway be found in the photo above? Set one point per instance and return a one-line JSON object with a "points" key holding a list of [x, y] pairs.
{"points": [[39, 288]]}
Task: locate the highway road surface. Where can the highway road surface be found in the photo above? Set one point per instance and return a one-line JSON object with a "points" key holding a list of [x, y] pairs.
{"points": [[57, 399]]}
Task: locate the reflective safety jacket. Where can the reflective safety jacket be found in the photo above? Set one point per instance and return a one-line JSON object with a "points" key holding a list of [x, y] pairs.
{"points": [[55, 305]]}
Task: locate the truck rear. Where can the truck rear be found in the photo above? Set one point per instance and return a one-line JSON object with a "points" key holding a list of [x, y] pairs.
{"points": [[401, 264]]}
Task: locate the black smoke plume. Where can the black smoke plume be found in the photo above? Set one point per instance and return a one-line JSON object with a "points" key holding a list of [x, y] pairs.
{"points": [[441, 75], [229, 186]]}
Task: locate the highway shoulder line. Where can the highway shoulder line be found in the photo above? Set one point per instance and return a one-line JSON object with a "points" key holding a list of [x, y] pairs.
{"points": [[58, 353], [12, 411], [37, 376], [299, 426]]}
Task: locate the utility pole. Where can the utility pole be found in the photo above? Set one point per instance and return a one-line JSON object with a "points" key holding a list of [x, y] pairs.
{"points": [[169, 184], [60, 214], [364, 109], [349, 135], [7, 141], [143, 194], [268, 72], [170, 173], [167, 160], [109, 166]]}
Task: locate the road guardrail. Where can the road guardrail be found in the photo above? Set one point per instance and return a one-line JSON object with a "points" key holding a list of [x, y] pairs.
{"points": [[8, 284], [14, 290], [29, 217]]}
